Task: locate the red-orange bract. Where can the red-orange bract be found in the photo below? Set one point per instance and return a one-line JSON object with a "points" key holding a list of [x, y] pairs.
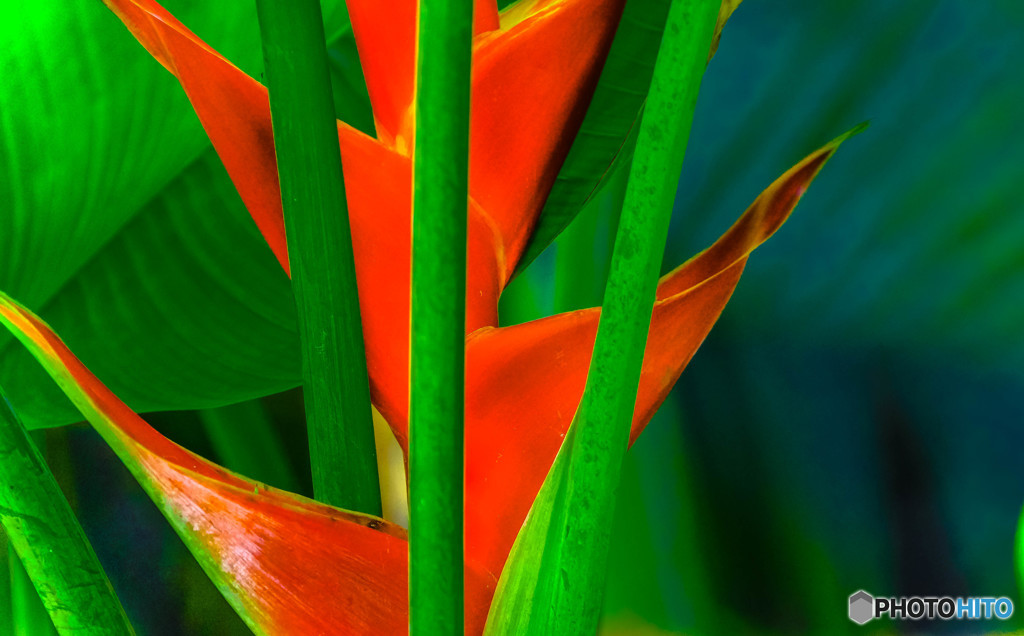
{"points": [[287, 564], [281, 559]]}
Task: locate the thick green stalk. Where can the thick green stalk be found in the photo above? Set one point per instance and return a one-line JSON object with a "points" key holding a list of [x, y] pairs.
{"points": [[555, 576], [335, 384], [605, 413], [437, 403], [48, 540]]}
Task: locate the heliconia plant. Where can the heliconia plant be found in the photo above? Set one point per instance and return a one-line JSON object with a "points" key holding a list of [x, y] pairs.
{"points": [[292, 565]]}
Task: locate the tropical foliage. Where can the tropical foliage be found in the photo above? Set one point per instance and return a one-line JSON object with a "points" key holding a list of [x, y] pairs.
{"points": [[147, 264]]}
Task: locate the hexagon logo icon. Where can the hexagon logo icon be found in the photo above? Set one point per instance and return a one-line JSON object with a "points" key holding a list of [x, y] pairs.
{"points": [[862, 607]]}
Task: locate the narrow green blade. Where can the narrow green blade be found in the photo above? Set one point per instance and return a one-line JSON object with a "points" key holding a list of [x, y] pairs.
{"points": [[555, 574], [336, 388], [49, 542]]}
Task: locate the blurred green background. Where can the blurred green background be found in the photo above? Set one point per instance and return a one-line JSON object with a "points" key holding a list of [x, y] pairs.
{"points": [[853, 422]]}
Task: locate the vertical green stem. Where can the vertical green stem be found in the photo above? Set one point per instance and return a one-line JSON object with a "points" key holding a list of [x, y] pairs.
{"points": [[335, 383], [48, 540], [605, 413], [440, 191]]}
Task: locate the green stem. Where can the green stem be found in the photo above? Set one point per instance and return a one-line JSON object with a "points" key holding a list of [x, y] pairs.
{"points": [[48, 540], [602, 423], [440, 191], [245, 440], [336, 389]]}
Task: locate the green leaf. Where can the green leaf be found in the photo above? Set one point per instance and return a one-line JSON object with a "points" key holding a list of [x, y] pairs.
{"points": [[247, 441], [189, 278], [186, 277], [91, 128], [28, 616], [657, 571], [528, 573], [336, 388], [50, 544]]}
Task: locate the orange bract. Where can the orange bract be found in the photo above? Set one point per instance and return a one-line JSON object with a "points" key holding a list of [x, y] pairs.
{"points": [[288, 565]]}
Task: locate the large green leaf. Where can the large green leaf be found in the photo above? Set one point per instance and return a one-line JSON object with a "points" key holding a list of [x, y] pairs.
{"points": [[181, 277], [90, 129], [188, 279], [917, 244]]}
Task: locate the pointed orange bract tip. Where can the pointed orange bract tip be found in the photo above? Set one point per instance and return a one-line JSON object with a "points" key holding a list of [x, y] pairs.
{"points": [[724, 13], [232, 107], [532, 84], [485, 16], [385, 34], [287, 564]]}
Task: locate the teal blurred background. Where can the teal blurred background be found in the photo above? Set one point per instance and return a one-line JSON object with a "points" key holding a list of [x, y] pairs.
{"points": [[853, 421]]}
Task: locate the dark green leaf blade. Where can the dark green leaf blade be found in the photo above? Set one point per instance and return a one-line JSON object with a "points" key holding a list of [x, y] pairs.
{"points": [[607, 130], [336, 388]]}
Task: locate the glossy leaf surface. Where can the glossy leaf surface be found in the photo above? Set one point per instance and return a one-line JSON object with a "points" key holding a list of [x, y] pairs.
{"points": [[81, 146], [252, 318]]}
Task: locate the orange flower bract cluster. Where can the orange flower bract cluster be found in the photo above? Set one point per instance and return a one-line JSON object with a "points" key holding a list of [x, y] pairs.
{"points": [[291, 565]]}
